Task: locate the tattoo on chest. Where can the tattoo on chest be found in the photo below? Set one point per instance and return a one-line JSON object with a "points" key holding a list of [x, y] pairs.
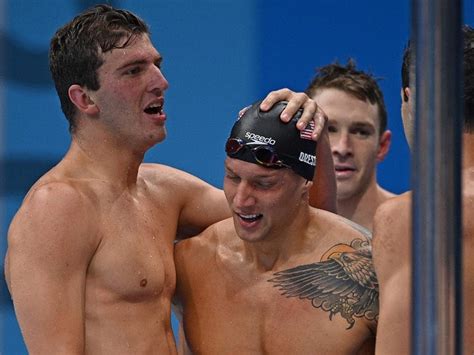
{"points": [[343, 282]]}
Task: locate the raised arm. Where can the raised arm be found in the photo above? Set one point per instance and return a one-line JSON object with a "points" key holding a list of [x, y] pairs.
{"points": [[323, 191], [50, 244]]}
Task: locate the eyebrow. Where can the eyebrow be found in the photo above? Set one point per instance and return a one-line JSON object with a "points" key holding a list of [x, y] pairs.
{"points": [[140, 61], [362, 125], [266, 175]]}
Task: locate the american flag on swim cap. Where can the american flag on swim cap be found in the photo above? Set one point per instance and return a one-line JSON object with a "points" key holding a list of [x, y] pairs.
{"points": [[306, 133]]}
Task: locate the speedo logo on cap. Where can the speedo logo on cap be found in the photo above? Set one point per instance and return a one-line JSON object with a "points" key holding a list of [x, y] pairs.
{"points": [[307, 158], [257, 138]]}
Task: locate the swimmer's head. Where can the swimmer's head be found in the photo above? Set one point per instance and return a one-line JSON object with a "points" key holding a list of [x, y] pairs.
{"points": [[262, 138]]}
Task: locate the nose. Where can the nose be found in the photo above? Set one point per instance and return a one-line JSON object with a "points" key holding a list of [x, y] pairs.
{"points": [[158, 80], [243, 196], [341, 144]]}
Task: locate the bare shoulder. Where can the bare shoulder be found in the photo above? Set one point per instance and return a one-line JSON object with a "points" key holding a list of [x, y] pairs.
{"points": [[341, 227], [170, 177], [160, 172], [205, 244], [394, 204], [392, 223], [199, 203], [56, 226], [50, 208]]}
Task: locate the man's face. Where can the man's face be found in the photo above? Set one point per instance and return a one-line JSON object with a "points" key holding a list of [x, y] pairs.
{"points": [[131, 94], [356, 144], [263, 201]]}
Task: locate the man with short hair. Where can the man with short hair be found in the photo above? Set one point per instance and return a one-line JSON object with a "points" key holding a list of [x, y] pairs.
{"points": [[90, 252], [392, 228], [279, 277], [358, 135]]}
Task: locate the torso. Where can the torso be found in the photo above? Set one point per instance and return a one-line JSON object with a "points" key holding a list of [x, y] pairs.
{"points": [[131, 276], [232, 307]]}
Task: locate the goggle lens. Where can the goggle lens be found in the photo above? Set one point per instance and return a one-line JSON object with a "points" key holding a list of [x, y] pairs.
{"points": [[263, 154], [233, 146]]}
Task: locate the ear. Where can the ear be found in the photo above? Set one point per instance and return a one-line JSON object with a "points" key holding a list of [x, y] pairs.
{"points": [[405, 94], [306, 188], [384, 145], [81, 99]]}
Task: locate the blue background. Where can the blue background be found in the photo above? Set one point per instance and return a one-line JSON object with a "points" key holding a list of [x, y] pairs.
{"points": [[219, 56]]}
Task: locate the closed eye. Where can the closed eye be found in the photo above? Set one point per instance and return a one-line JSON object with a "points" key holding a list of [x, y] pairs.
{"points": [[133, 70], [232, 177], [265, 183]]}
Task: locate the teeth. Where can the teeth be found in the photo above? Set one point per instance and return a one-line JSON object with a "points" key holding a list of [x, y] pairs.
{"points": [[249, 215], [155, 108]]}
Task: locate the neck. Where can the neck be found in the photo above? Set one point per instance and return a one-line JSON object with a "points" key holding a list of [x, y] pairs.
{"points": [[276, 248], [361, 208], [104, 158]]}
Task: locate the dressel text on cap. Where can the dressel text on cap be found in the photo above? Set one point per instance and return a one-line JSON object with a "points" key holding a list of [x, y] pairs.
{"points": [[307, 158]]}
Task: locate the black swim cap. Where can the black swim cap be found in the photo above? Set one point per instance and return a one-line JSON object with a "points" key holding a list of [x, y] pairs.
{"points": [[256, 128]]}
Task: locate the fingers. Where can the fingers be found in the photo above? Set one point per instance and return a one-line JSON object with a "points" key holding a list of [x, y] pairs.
{"points": [[296, 101], [273, 97], [320, 119]]}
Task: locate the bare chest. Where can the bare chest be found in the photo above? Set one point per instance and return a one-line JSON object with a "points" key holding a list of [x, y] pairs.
{"points": [[257, 316], [134, 260]]}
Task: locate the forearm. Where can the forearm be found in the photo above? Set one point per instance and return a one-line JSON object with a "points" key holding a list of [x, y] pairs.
{"points": [[323, 192]]}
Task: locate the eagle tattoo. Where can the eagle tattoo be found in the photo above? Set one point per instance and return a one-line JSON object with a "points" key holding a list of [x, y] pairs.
{"points": [[344, 282]]}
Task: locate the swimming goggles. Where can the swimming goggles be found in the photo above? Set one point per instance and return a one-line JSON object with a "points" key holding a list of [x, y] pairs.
{"points": [[263, 154]]}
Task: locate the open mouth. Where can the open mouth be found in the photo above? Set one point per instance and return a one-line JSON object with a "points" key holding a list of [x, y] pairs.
{"points": [[250, 217], [154, 109]]}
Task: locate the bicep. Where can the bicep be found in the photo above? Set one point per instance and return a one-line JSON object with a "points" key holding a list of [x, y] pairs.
{"points": [[204, 205], [47, 262]]}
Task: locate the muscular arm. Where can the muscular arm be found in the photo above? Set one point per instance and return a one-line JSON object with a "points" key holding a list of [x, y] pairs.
{"points": [[323, 192], [392, 262], [203, 205], [49, 247]]}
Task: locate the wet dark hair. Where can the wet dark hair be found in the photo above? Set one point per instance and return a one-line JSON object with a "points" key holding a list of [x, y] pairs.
{"points": [[76, 49], [352, 81], [468, 79], [468, 66]]}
